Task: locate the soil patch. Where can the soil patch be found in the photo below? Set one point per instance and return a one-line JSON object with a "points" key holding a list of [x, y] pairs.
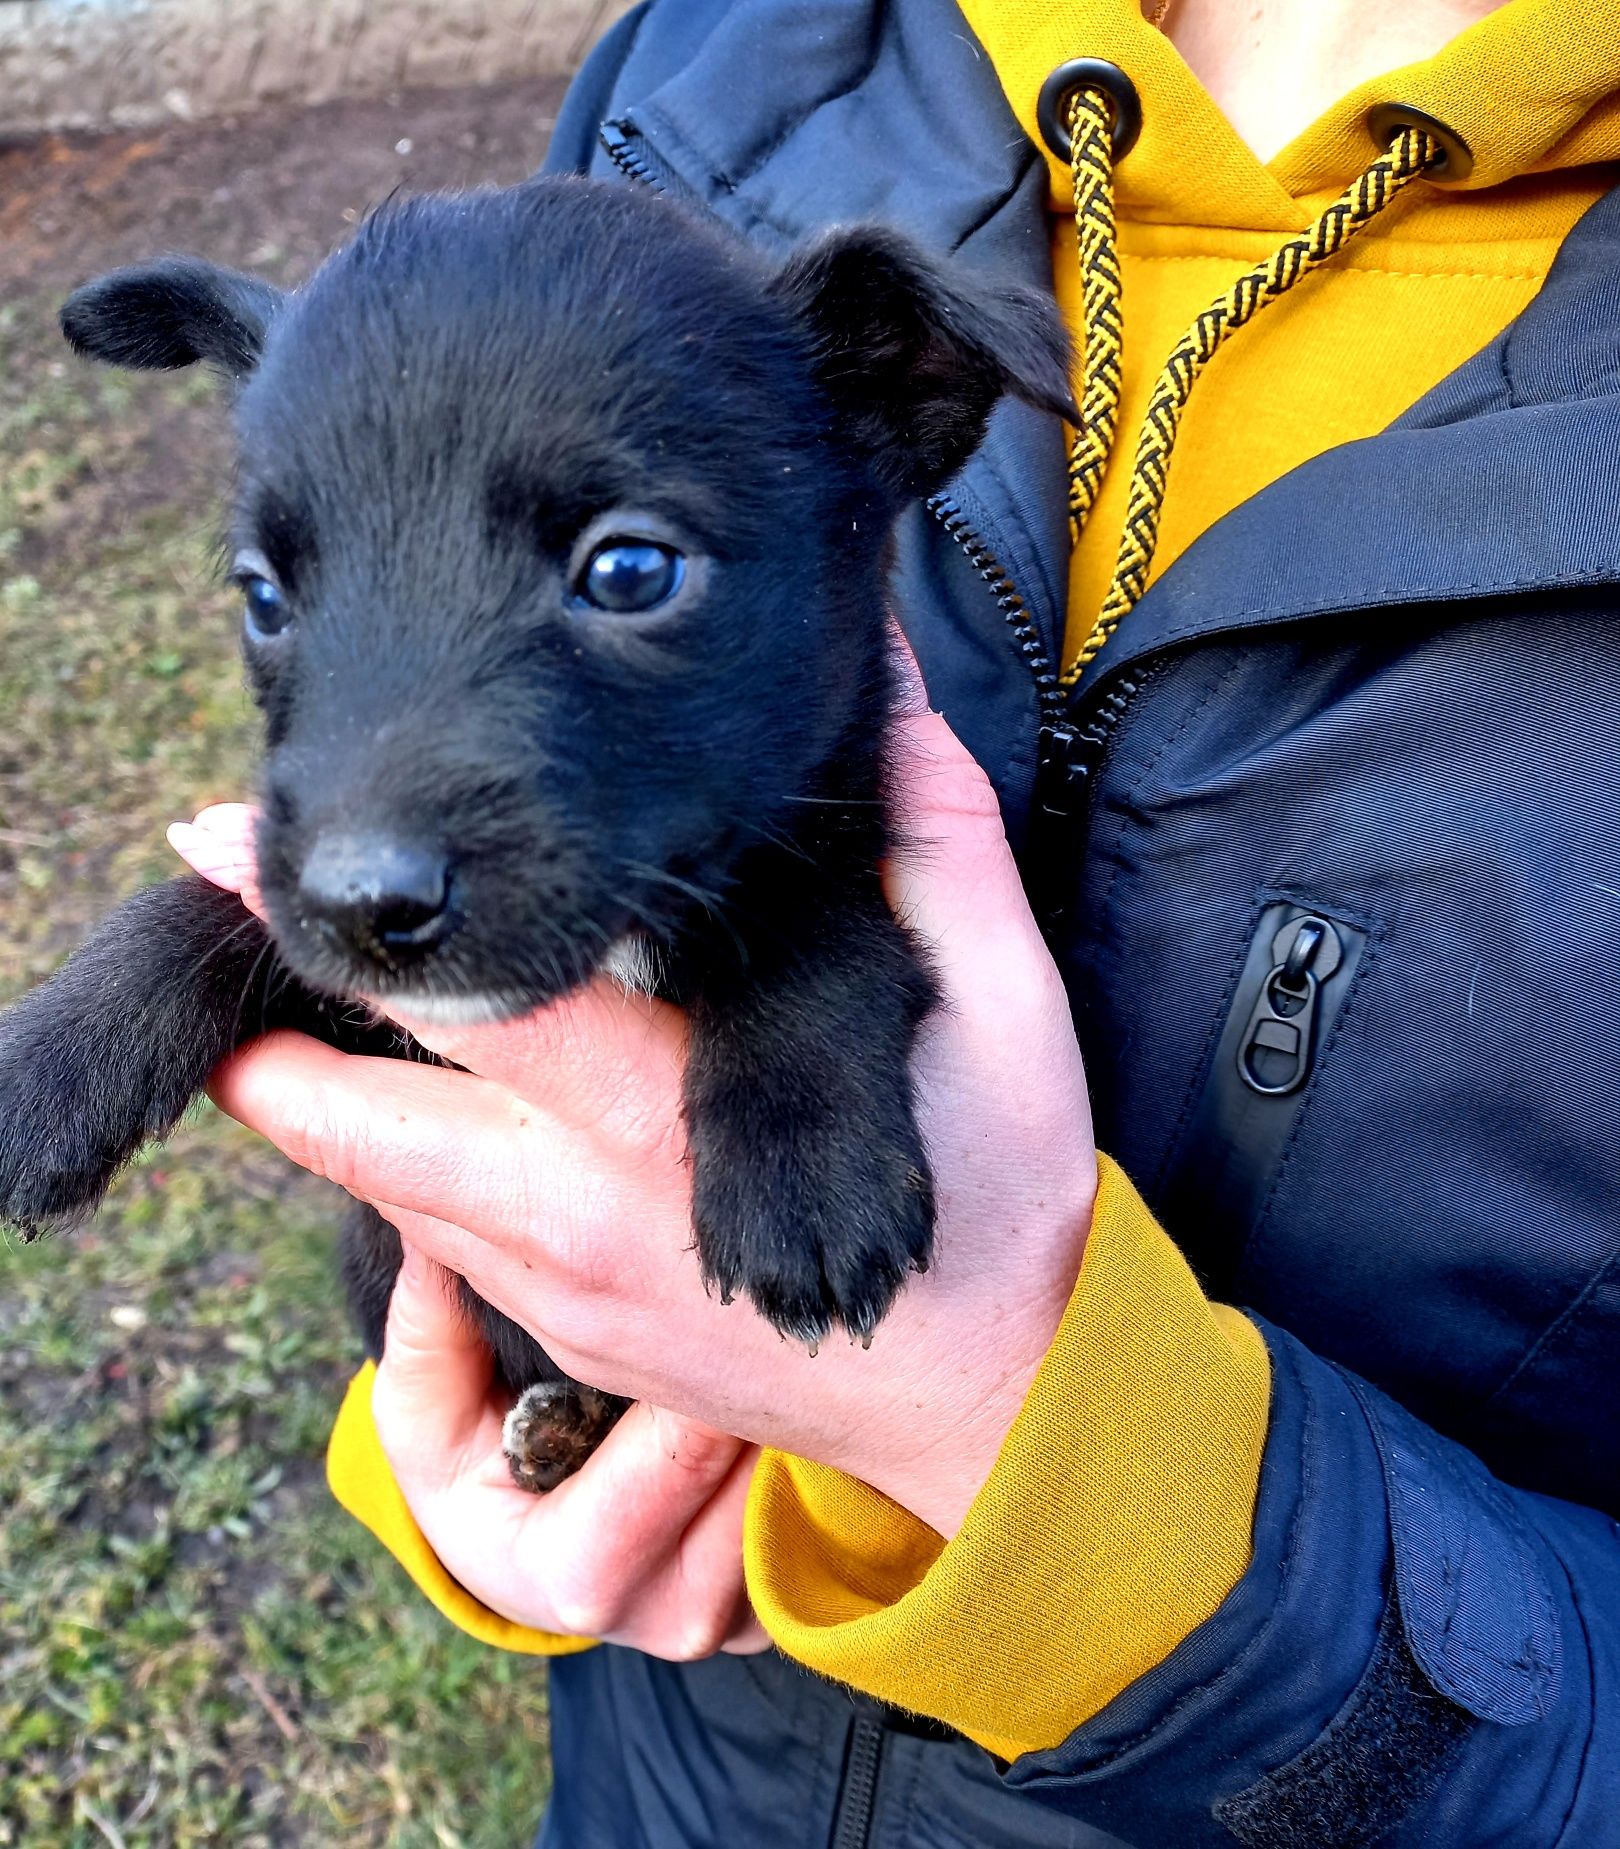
{"points": [[274, 190]]}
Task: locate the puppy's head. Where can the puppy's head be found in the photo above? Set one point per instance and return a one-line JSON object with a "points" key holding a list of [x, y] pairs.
{"points": [[560, 533]]}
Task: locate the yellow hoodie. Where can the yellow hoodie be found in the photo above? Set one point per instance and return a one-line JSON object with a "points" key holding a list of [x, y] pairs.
{"points": [[1118, 1514]]}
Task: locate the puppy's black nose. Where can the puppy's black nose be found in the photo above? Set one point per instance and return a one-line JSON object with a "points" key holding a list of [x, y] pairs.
{"points": [[381, 897]]}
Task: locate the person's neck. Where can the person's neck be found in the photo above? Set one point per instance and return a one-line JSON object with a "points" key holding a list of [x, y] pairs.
{"points": [[1274, 66]]}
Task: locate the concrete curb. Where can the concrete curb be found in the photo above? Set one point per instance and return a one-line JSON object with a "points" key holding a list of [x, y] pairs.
{"points": [[98, 64]]}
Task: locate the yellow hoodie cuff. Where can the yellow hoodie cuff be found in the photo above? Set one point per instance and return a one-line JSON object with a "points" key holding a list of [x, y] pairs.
{"points": [[360, 1479], [1116, 1519]]}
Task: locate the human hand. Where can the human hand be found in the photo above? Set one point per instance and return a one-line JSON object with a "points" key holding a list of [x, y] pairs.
{"points": [[642, 1546], [555, 1181]]}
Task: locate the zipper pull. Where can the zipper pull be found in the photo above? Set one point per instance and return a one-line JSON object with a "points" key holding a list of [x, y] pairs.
{"points": [[1279, 1042], [1055, 755], [1070, 754]]}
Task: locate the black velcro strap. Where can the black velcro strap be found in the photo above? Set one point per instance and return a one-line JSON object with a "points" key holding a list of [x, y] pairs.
{"points": [[1383, 1755]]}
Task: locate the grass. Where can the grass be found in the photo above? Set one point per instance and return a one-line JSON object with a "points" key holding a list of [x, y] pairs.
{"points": [[196, 1647]]}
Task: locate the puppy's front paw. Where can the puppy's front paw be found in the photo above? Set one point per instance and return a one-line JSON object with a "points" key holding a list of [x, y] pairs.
{"points": [[553, 1429], [106, 1055], [67, 1124], [816, 1228]]}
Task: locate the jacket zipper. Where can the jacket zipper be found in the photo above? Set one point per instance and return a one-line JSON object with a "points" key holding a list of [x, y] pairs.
{"points": [[858, 1795], [1055, 730], [1069, 755], [1088, 744], [1277, 1047], [1298, 974], [616, 139]]}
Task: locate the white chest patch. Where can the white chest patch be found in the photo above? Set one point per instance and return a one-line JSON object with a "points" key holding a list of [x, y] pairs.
{"points": [[633, 963]]}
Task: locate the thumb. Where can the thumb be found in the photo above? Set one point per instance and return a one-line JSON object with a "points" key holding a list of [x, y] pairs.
{"points": [[431, 1397], [218, 844], [952, 875]]}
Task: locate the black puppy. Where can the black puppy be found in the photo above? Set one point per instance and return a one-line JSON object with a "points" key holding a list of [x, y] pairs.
{"points": [[561, 529]]}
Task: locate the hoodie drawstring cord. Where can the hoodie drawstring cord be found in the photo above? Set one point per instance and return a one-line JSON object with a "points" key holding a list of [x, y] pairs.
{"points": [[1091, 162], [1410, 153]]}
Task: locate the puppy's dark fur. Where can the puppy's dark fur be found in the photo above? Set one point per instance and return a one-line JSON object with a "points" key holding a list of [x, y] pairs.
{"points": [[430, 432]]}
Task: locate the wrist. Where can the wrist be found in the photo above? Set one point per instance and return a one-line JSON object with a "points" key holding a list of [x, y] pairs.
{"points": [[985, 1380]]}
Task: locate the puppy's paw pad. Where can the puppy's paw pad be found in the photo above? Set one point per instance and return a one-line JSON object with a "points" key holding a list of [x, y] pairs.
{"points": [[553, 1429]]}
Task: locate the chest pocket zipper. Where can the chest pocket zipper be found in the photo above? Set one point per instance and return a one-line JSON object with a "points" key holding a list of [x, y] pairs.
{"points": [[1299, 971], [1278, 1042]]}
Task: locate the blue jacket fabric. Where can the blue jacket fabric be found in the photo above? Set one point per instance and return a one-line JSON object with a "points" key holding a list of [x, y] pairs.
{"points": [[1384, 693]]}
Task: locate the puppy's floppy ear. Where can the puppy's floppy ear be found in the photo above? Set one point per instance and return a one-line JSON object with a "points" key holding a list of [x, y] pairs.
{"points": [[915, 354], [172, 313]]}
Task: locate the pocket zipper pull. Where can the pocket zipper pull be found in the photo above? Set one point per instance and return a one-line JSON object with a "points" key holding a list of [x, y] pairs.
{"points": [[1275, 1053]]}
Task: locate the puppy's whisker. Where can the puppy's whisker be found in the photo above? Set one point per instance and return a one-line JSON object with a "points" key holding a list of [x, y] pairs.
{"points": [[266, 950], [763, 831], [600, 932], [557, 978], [650, 920], [711, 903], [280, 982]]}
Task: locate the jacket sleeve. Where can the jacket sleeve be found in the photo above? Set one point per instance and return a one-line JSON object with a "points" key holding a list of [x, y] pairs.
{"points": [[1408, 1654]]}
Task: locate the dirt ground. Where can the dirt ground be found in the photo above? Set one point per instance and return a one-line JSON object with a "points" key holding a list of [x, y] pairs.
{"points": [[196, 1647], [274, 191]]}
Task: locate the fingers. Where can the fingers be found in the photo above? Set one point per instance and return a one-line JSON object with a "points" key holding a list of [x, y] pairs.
{"points": [[952, 875], [431, 1398], [442, 1143], [504, 1280], [952, 867], [911, 696], [530, 1211], [644, 1545], [600, 1057], [601, 1555], [654, 1473], [712, 1548]]}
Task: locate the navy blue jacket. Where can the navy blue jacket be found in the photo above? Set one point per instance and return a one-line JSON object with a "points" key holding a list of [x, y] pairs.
{"points": [[1384, 693]]}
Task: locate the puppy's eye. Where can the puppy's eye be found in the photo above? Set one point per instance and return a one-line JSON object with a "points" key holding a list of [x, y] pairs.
{"points": [[267, 612], [630, 575]]}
